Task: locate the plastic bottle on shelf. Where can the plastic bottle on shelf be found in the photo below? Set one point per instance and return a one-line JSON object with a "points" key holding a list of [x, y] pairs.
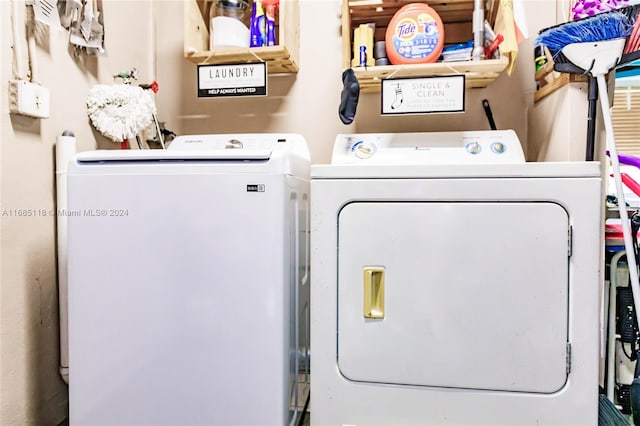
{"points": [[415, 34], [257, 25], [363, 46], [270, 14]]}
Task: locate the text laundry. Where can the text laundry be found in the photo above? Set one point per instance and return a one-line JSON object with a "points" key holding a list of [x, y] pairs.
{"points": [[231, 73]]}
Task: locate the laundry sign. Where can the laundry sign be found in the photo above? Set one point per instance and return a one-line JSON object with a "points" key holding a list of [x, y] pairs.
{"points": [[232, 80], [423, 95]]}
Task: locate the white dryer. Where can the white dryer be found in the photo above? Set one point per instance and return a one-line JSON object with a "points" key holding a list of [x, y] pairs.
{"points": [[453, 283], [188, 282]]}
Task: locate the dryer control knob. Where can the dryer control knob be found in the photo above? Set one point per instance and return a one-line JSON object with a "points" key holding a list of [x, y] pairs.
{"points": [[473, 148], [363, 150], [498, 147]]}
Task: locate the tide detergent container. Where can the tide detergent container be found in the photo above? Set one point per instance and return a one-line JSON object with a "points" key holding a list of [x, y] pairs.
{"points": [[415, 35]]}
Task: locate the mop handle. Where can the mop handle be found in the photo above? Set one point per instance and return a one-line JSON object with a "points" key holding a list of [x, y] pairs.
{"points": [[622, 204]]}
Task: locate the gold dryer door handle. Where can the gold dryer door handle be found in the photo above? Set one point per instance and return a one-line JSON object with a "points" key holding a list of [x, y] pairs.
{"points": [[373, 286]]}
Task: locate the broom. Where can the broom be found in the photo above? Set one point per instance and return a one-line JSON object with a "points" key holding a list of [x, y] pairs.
{"points": [[595, 45], [601, 27]]}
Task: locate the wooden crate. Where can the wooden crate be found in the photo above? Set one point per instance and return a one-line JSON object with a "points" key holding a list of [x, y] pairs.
{"points": [[281, 58], [457, 17]]}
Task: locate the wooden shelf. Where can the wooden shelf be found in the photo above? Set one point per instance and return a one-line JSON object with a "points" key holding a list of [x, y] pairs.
{"points": [[477, 73], [457, 17], [281, 58], [278, 58]]}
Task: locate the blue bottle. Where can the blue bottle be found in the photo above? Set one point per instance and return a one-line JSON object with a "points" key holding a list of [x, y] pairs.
{"points": [[257, 25]]}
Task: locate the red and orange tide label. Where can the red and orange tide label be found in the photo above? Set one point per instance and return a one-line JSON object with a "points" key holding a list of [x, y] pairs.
{"points": [[415, 34]]}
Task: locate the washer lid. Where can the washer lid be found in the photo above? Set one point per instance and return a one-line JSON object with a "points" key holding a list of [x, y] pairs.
{"points": [[224, 147], [285, 153]]}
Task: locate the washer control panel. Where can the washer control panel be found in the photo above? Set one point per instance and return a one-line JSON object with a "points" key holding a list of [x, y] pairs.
{"points": [[222, 142], [483, 146]]}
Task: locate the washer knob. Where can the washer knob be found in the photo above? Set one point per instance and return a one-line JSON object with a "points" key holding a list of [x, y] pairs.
{"points": [[233, 144], [473, 148], [498, 147]]}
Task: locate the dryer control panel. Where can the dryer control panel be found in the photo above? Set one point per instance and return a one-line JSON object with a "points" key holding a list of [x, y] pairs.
{"points": [[468, 147]]}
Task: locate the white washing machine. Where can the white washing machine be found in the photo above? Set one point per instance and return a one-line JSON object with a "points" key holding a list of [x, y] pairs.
{"points": [[188, 283], [453, 283]]}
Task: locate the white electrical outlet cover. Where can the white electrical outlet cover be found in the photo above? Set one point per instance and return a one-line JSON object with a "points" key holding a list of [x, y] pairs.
{"points": [[28, 98]]}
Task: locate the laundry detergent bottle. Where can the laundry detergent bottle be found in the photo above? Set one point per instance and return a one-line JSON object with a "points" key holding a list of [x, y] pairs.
{"points": [[414, 35]]}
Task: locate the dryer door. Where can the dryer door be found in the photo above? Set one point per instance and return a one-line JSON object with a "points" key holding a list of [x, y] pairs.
{"points": [[454, 294]]}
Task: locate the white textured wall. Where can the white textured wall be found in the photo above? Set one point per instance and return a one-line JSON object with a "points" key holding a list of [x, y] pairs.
{"points": [[559, 125]]}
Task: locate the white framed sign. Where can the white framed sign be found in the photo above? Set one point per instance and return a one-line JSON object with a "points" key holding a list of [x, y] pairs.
{"points": [[423, 95], [232, 80]]}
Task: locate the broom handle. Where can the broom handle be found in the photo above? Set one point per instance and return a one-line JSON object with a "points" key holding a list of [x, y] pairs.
{"points": [[622, 205], [591, 118]]}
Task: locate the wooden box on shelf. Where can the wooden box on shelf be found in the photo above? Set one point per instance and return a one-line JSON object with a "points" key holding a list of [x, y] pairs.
{"points": [[281, 58], [457, 18]]}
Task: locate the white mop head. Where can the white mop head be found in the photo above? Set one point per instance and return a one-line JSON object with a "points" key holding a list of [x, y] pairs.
{"points": [[120, 111]]}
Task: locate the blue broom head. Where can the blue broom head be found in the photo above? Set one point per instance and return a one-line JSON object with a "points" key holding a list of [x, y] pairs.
{"points": [[600, 27]]}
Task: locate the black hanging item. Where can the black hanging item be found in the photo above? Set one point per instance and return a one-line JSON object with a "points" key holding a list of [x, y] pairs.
{"points": [[349, 96], [489, 114]]}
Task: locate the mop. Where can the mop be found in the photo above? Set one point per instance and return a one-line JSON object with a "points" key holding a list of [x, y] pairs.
{"points": [[120, 111], [595, 44]]}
